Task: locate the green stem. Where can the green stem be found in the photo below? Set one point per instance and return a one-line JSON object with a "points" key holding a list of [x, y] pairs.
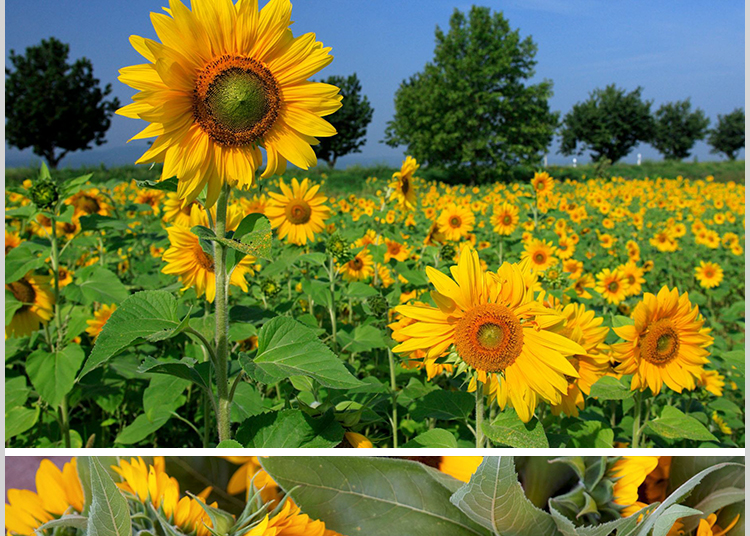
{"points": [[479, 399], [636, 420], [54, 256], [65, 421], [332, 305], [221, 362], [394, 411]]}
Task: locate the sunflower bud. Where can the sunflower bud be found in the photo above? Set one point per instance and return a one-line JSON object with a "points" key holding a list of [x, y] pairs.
{"points": [[44, 193], [338, 248], [378, 305], [448, 251], [269, 287]]}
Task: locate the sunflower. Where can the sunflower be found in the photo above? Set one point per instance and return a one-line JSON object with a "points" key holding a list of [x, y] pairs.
{"points": [[459, 467], [542, 183], [634, 276], [540, 254], [455, 222], [186, 259], [396, 250], [92, 201], [224, 81], [290, 521], [298, 213], [504, 219], [496, 327], [34, 293], [357, 441], [402, 185], [250, 472], [58, 492], [630, 473], [665, 345], [152, 198], [255, 205], [359, 268], [612, 285], [64, 276], [12, 240], [100, 318], [708, 526], [175, 212], [709, 274], [713, 382]]}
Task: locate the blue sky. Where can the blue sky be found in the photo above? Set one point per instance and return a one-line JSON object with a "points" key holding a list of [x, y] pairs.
{"points": [[673, 49]]}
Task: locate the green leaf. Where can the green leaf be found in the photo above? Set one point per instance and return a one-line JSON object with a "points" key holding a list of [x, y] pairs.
{"points": [[618, 321], [287, 348], [97, 284], [22, 259], [444, 405], [19, 419], [370, 496], [163, 393], [609, 388], [495, 499], [166, 185], [109, 514], [229, 444], [186, 368], [11, 306], [357, 289], [625, 526], [669, 516], [54, 374], [96, 222], [142, 427], [73, 521], [508, 429], [254, 232], [151, 314], [290, 428], [362, 339], [735, 359], [435, 438], [590, 434], [674, 424], [16, 391]]}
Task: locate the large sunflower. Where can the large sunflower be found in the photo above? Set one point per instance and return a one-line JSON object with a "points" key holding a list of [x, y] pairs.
{"points": [[298, 212], [224, 81], [186, 259], [497, 329], [34, 293], [402, 185], [666, 343]]}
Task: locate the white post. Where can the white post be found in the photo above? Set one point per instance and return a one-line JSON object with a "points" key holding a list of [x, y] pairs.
{"points": [[575, 162], [639, 159], [545, 160]]}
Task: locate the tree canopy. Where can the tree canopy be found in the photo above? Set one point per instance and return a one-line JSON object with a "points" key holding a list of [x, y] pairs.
{"points": [[728, 136], [677, 128], [53, 106]]}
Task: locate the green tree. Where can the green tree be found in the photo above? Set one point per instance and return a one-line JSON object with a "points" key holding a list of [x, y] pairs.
{"points": [[609, 124], [677, 128], [728, 137], [471, 110], [51, 105], [350, 121]]}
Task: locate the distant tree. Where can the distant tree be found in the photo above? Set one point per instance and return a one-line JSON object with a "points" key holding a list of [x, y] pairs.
{"points": [[609, 124], [350, 121], [677, 128], [471, 110], [728, 137], [51, 105]]}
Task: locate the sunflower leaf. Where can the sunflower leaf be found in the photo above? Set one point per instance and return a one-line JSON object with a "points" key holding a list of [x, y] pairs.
{"points": [[373, 496], [435, 438], [290, 428], [109, 514], [166, 185], [674, 424], [73, 521], [609, 388], [22, 259], [11, 306], [508, 429], [495, 499], [53, 374]]}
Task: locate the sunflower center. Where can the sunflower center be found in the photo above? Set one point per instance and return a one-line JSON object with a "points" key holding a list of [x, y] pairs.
{"points": [[356, 264], [539, 258], [404, 185], [613, 286], [455, 222], [298, 212], [661, 344], [507, 219], [236, 100], [709, 272], [23, 291], [203, 259], [489, 337], [87, 204]]}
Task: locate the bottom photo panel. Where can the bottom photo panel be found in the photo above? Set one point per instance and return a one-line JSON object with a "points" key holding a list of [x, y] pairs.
{"points": [[373, 496]]}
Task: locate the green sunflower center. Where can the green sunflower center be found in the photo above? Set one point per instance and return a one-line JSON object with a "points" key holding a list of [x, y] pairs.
{"points": [[237, 99], [490, 336]]}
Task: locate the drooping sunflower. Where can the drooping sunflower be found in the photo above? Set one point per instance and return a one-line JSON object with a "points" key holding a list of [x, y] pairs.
{"points": [[455, 222], [249, 475], [57, 492], [186, 259], [540, 254], [631, 472], [298, 213], [497, 329], [359, 268], [612, 285], [100, 318], [34, 292], [709, 274], [290, 521], [402, 185], [175, 212], [713, 382], [708, 526], [224, 81], [665, 345], [504, 219]]}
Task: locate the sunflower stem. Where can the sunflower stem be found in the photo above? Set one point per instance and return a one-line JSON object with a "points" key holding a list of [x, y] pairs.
{"points": [[479, 398], [221, 364], [636, 420], [332, 305], [394, 411]]}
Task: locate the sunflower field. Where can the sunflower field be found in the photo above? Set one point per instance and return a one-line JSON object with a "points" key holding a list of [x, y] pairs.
{"points": [[378, 496], [603, 312]]}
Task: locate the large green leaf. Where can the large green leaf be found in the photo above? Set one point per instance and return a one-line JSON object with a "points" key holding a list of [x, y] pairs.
{"points": [[609, 388], [444, 405], [674, 424], [436, 438], [19, 419], [143, 426], [495, 499], [287, 348], [97, 284], [53, 374], [22, 259], [11, 306], [290, 428], [109, 514], [151, 314], [508, 429], [371, 496]]}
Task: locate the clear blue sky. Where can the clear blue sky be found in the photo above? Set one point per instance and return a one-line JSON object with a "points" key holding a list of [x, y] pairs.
{"points": [[673, 49]]}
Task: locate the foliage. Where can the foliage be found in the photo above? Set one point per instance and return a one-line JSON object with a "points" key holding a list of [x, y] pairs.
{"points": [[350, 121], [471, 110], [728, 136], [52, 105], [677, 128], [609, 124]]}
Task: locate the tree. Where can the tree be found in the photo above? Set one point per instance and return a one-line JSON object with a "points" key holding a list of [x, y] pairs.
{"points": [[728, 137], [609, 124], [677, 128], [350, 121], [470, 111], [51, 105]]}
